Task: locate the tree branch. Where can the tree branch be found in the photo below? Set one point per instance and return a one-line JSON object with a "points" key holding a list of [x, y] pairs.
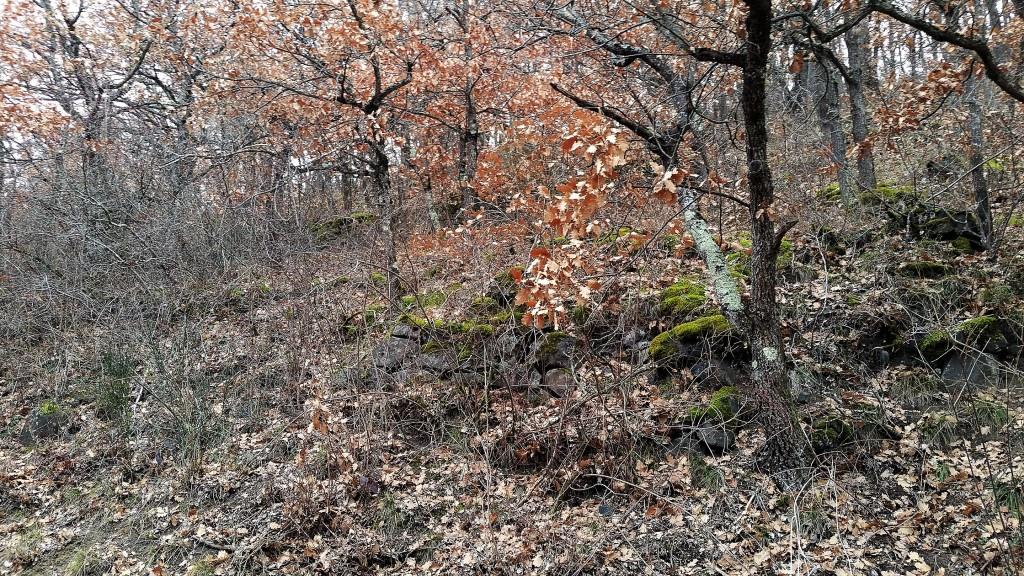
{"points": [[975, 45], [661, 145]]}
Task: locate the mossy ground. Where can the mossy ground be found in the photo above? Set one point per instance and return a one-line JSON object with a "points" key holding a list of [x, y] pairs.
{"points": [[925, 269], [830, 433], [431, 299]]}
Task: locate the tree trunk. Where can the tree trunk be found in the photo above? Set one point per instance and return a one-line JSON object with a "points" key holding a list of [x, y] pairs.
{"points": [[857, 46], [976, 155], [827, 99], [784, 453], [469, 139], [387, 218]]}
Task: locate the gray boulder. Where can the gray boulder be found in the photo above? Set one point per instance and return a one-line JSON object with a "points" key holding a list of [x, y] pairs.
{"points": [[558, 381], [715, 439], [972, 370], [438, 363], [43, 422], [405, 331], [554, 350], [394, 353]]}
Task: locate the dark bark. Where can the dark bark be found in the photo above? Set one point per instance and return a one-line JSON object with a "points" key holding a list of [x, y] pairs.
{"points": [[976, 155], [827, 99], [857, 46], [784, 453], [469, 139], [380, 171]]}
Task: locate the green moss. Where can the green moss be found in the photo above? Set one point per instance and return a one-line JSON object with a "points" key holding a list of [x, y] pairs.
{"points": [[997, 296], [372, 311], [579, 314], [475, 328], [739, 265], [785, 254], [829, 192], [1016, 221], [484, 305], [669, 242], [704, 476], [739, 262], [500, 317], [853, 300], [925, 269], [549, 343], [977, 327], [425, 301], [201, 568], [939, 224], [236, 294], [888, 193], [963, 244], [431, 346], [416, 321], [721, 408], [829, 433], [330, 228], [682, 298], [83, 561], [504, 286], [378, 278], [663, 346], [48, 407], [362, 216], [332, 282], [935, 344]]}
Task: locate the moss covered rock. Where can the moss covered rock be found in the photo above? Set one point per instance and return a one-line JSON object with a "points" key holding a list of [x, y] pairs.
{"points": [[681, 299], [984, 332], [830, 433], [889, 193], [925, 269], [336, 227], [666, 345], [484, 305], [722, 407], [362, 216], [43, 422], [962, 244], [553, 350]]}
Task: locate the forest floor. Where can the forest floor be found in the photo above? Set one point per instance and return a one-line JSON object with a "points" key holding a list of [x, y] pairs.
{"points": [[246, 450]]}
